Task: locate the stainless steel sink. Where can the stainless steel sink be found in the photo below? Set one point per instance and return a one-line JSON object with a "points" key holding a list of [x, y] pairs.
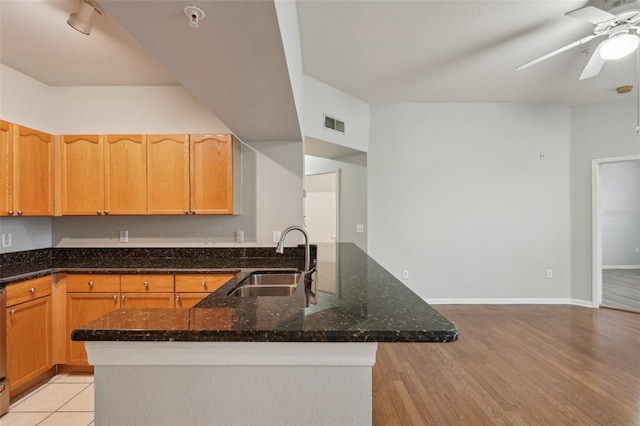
{"points": [[267, 284]]}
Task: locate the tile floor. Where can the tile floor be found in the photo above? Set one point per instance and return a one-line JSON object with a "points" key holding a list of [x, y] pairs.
{"points": [[64, 400]]}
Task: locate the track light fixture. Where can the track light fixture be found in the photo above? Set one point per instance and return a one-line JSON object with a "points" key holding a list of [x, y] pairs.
{"points": [[81, 19]]}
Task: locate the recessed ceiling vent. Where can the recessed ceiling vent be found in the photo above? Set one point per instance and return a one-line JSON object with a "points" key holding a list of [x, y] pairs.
{"points": [[333, 124]]}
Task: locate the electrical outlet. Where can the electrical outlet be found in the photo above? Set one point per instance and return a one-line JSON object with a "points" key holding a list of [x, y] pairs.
{"points": [[405, 274], [359, 228], [124, 236], [276, 236], [6, 240], [543, 155], [549, 273], [239, 236]]}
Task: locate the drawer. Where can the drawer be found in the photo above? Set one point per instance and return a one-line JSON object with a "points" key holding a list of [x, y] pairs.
{"points": [[28, 290], [93, 283], [146, 283], [196, 283]]}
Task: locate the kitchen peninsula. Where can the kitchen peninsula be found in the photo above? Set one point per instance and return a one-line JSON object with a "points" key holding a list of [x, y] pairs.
{"points": [[256, 360]]}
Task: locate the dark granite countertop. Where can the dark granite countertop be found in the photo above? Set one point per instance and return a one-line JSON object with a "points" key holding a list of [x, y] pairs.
{"points": [[366, 304]]}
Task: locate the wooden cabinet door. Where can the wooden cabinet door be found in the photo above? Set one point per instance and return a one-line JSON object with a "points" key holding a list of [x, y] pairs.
{"points": [[82, 308], [6, 167], [188, 300], [33, 173], [82, 175], [125, 174], [211, 174], [28, 341], [168, 174], [147, 300]]}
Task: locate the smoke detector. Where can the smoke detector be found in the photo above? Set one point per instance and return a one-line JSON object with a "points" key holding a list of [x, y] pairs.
{"points": [[195, 14]]}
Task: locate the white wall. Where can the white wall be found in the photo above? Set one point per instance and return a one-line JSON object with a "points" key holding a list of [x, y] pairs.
{"points": [[320, 207], [272, 172], [320, 99], [620, 203], [459, 197], [597, 131], [353, 193]]}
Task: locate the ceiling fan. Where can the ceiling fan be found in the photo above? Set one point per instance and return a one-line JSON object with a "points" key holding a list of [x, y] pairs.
{"points": [[622, 37]]}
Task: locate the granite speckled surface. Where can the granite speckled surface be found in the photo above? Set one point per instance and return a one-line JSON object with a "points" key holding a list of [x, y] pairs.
{"points": [[367, 304], [20, 266]]}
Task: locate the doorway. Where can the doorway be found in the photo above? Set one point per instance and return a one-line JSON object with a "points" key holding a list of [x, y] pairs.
{"points": [[321, 217], [616, 233]]}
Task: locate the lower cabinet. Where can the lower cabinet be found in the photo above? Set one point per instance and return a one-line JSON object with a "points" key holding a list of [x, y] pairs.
{"points": [[188, 300], [29, 333]]}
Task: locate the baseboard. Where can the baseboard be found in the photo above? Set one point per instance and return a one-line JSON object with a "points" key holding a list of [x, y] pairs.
{"points": [[535, 301], [620, 266]]}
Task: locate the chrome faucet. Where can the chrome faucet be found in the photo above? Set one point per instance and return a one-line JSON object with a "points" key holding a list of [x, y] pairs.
{"points": [[280, 247], [309, 283]]}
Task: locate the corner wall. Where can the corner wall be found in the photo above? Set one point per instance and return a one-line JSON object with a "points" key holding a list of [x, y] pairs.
{"points": [[597, 131]]}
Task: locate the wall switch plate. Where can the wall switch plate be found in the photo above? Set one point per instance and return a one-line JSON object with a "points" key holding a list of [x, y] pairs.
{"points": [[543, 155], [124, 236], [405, 274], [549, 273], [276, 236], [359, 228], [239, 236], [6, 240]]}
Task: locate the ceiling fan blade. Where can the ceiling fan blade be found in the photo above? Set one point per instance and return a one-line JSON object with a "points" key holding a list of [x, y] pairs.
{"points": [[560, 50], [594, 64], [591, 14]]}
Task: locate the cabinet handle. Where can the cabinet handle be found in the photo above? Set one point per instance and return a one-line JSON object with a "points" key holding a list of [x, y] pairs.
{"points": [[203, 284], [32, 290], [177, 297], [10, 212], [115, 297], [98, 212], [90, 284], [186, 211], [193, 212], [19, 212], [12, 312], [106, 212], [122, 297], [146, 284]]}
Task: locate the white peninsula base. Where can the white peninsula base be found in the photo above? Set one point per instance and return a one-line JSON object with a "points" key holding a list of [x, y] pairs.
{"points": [[232, 383]]}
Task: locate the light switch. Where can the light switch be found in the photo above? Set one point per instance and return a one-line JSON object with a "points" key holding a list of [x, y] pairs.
{"points": [[359, 228]]}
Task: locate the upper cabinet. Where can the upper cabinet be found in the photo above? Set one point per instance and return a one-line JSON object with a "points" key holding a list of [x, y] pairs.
{"points": [[27, 172], [168, 174], [6, 167], [82, 175], [126, 174], [211, 169], [117, 174]]}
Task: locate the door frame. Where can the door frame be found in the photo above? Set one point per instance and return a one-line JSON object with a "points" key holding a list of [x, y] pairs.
{"points": [[596, 225]]}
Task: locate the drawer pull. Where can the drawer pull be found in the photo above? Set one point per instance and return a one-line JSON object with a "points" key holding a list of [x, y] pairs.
{"points": [[90, 283], [146, 284], [115, 297], [12, 312], [177, 297], [98, 212], [32, 290], [10, 212], [204, 284]]}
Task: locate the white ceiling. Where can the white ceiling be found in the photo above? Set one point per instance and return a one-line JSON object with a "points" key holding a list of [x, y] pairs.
{"points": [[454, 51], [379, 51]]}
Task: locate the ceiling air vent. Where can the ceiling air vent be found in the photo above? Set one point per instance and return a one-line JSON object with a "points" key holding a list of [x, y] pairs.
{"points": [[333, 124]]}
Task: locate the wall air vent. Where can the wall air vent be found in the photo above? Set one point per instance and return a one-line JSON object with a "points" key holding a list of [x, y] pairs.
{"points": [[333, 124]]}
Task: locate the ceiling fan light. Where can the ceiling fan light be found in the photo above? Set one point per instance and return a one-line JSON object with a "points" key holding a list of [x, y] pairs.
{"points": [[81, 20], [619, 46]]}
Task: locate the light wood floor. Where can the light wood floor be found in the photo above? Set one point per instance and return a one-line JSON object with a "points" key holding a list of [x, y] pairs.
{"points": [[621, 289], [515, 365]]}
